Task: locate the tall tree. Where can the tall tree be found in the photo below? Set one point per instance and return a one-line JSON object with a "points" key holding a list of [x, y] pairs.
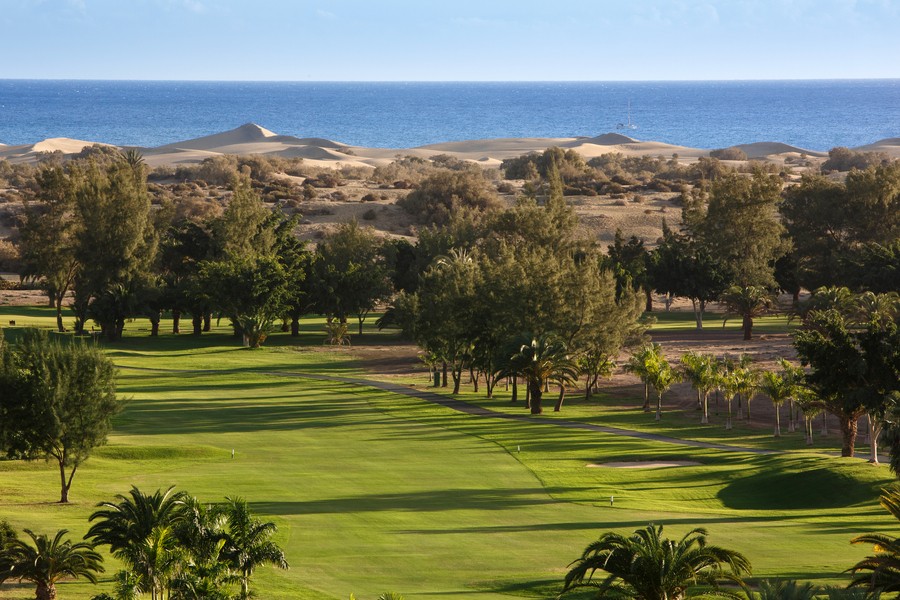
{"points": [[140, 530], [742, 227], [540, 362], [855, 369], [57, 402], [682, 267], [351, 274], [248, 543], [49, 238], [116, 244], [749, 303], [700, 370]]}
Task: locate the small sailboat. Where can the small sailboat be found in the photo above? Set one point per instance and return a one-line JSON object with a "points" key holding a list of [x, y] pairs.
{"points": [[629, 124]]}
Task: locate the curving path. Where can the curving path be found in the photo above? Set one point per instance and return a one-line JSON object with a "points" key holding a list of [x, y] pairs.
{"points": [[471, 409]]}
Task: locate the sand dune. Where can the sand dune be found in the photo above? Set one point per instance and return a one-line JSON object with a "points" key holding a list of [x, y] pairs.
{"points": [[29, 152], [255, 139], [245, 134], [890, 146], [763, 149]]}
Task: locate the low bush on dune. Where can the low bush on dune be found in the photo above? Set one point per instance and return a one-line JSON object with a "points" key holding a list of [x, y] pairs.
{"points": [[732, 153], [445, 192]]}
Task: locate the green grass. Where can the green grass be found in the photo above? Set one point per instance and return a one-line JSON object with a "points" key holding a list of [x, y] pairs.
{"points": [[373, 491], [676, 321]]}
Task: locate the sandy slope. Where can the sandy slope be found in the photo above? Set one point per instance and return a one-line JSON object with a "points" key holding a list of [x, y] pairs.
{"points": [[254, 139]]}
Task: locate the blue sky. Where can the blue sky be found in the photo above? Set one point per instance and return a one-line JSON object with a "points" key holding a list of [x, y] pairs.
{"points": [[453, 40]]}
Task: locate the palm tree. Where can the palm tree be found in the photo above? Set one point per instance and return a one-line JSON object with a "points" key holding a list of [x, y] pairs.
{"points": [[700, 370], [47, 561], [641, 363], [248, 544], [140, 530], [747, 381], [778, 388], [749, 302], [662, 376], [786, 590], [542, 361], [646, 566], [880, 573], [729, 384]]}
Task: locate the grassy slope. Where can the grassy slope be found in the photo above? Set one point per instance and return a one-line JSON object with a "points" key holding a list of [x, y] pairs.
{"points": [[374, 491]]}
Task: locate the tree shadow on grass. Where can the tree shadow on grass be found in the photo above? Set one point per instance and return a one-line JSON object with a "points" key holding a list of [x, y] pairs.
{"points": [[223, 416], [499, 499]]}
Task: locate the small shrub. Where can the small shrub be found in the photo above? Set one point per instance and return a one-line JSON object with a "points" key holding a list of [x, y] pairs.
{"points": [[732, 153], [370, 197], [370, 215]]}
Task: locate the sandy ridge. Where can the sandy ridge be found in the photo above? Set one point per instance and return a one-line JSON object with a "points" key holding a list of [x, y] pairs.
{"points": [[255, 139]]}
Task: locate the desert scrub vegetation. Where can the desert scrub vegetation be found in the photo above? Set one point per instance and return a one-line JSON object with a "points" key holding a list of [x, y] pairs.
{"points": [[446, 192]]}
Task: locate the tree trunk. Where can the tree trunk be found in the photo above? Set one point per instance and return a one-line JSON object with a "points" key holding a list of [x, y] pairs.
{"points": [[457, 379], [537, 390], [527, 395], [59, 319], [207, 322], [699, 307], [295, 325], [176, 321], [728, 416], [444, 375], [824, 424], [848, 435], [285, 325], [197, 322], [748, 327], [777, 420], [705, 418], [648, 306], [874, 432], [154, 323], [791, 427], [515, 390], [809, 430], [659, 406], [45, 592], [559, 401], [646, 406]]}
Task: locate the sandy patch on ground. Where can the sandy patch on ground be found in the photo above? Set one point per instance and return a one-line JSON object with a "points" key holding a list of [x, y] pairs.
{"points": [[648, 464]]}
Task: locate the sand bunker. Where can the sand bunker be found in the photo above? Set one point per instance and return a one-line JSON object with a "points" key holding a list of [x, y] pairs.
{"points": [[646, 464]]}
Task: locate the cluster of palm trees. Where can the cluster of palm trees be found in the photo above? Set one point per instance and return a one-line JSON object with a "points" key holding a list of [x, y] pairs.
{"points": [[736, 380], [173, 547]]}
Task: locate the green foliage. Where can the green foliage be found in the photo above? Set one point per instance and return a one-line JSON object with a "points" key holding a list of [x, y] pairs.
{"points": [[45, 561], [116, 242], [682, 267], [540, 362], [446, 192], [732, 153], [855, 367], [350, 273], [748, 303], [742, 228], [57, 401], [880, 573], [646, 566], [253, 291], [844, 159], [175, 546]]}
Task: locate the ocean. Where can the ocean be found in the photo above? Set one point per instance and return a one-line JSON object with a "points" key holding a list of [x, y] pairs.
{"points": [[816, 115]]}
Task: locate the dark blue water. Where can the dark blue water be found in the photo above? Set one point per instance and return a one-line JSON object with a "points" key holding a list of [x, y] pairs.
{"points": [[817, 115]]}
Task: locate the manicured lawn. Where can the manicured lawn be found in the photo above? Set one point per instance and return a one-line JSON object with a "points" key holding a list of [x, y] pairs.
{"points": [[675, 321], [374, 491]]}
